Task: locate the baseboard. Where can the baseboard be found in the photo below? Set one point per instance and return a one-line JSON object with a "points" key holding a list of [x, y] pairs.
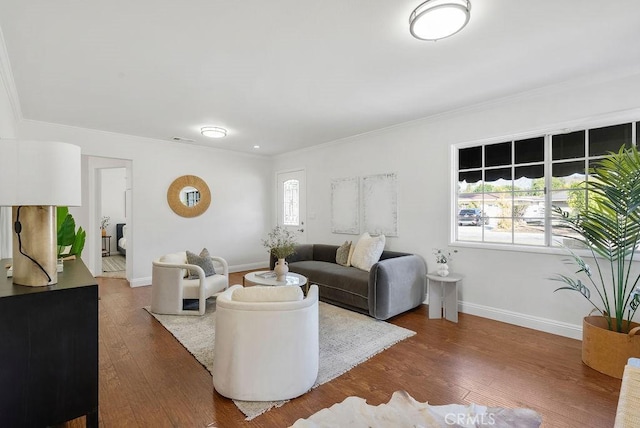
{"points": [[572, 331], [523, 320], [141, 282], [248, 266]]}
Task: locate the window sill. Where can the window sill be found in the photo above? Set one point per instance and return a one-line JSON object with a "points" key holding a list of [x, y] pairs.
{"points": [[562, 251]]}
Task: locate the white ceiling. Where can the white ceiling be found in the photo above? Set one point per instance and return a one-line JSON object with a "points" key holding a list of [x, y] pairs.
{"points": [[287, 74]]}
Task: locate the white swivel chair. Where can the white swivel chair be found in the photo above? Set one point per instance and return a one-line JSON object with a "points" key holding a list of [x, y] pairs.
{"points": [[628, 411], [266, 350], [171, 284]]}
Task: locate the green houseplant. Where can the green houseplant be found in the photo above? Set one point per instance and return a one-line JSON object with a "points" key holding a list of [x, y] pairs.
{"points": [[608, 226], [70, 241]]}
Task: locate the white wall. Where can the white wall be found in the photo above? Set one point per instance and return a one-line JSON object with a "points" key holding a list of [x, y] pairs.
{"points": [[500, 284], [241, 189], [7, 117], [7, 130]]}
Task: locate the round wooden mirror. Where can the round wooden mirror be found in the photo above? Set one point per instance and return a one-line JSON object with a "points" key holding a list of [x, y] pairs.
{"points": [[189, 196]]}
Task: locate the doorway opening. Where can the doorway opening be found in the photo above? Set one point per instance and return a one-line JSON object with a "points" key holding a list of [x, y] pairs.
{"points": [[113, 221], [109, 215]]}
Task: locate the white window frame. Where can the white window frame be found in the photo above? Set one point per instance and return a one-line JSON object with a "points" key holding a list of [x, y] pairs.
{"points": [[295, 202], [563, 128]]}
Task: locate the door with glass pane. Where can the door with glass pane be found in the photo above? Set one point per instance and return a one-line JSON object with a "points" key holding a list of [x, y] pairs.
{"points": [[292, 202]]}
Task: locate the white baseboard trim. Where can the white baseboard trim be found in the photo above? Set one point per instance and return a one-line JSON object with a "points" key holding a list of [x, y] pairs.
{"points": [[248, 266], [141, 282], [523, 320]]}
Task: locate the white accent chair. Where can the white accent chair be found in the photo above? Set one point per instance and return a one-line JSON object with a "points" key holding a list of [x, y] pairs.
{"points": [[170, 284], [267, 350], [628, 411]]}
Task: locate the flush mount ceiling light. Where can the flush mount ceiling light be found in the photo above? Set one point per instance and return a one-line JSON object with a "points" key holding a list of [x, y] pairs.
{"points": [[213, 132], [437, 19]]}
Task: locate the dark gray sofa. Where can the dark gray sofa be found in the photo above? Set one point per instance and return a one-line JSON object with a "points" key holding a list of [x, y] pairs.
{"points": [[394, 285]]}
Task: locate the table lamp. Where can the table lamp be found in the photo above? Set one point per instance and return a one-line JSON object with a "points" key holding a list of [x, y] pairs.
{"points": [[35, 177]]}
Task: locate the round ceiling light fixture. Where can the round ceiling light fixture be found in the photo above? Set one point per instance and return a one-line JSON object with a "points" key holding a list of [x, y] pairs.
{"points": [[437, 19], [213, 132]]}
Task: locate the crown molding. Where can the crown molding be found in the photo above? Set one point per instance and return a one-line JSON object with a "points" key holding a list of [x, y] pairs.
{"points": [[6, 75]]}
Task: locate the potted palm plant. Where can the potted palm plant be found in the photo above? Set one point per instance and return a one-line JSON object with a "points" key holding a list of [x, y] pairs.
{"points": [[609, 227]]}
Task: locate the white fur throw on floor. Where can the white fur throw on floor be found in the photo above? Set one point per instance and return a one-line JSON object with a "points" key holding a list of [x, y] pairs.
{"points": [[403, 411]]}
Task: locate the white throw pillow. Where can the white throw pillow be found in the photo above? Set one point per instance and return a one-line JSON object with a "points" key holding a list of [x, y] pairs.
{"points": [[368, 251], [176, 259], [351, 250], [268, 293]]}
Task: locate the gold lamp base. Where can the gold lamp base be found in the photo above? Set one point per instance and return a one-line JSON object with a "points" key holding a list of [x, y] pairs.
{"points": [[34, 245]]}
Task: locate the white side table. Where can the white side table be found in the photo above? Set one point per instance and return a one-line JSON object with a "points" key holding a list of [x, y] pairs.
{"points": [[447, 287]]}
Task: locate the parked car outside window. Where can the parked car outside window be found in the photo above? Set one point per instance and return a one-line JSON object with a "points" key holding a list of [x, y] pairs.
{"points": [[471, 217]]}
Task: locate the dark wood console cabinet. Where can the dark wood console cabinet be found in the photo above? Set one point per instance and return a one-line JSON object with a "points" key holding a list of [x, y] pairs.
{"points": [[49, 350]]}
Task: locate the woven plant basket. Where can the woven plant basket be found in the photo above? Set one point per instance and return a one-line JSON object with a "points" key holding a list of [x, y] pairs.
{"points": [[608, 351]]}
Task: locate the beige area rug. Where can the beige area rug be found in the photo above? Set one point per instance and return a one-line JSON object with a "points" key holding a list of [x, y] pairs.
{"points": [[346, 340], [403, 411]]}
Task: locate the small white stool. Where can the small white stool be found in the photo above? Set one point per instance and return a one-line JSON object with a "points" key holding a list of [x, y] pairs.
{"points": [[450, 285]]}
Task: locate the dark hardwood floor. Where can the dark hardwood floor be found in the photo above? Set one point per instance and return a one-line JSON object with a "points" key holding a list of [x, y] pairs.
{"points": [[147, 379]]}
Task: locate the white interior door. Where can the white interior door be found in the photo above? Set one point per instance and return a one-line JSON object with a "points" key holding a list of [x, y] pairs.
{"points": [[292, 202]]}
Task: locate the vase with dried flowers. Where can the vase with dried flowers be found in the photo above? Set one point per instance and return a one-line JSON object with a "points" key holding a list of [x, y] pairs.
{"points": [[280, 243], [104, 222], [442, 259]]}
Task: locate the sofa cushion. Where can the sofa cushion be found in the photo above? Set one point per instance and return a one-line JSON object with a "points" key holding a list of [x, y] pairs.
{"points": [[277, 293], [324, 253], [350, 257], [368, 251], [342, 254], [212, 284], [337, 284]]}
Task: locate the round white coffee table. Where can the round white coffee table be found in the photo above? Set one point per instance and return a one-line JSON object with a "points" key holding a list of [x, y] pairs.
{"points": [[256, 278]]}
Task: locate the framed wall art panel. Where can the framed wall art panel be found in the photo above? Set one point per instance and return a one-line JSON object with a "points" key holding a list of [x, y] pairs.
{"points": [[380, 204], [345, 204]]}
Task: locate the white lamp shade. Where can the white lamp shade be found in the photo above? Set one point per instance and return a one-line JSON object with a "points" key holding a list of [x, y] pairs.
{"points": [[40, 173]]}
